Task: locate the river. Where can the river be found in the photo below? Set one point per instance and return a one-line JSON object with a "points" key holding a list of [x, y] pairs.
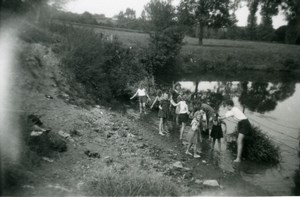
{"points": [[272, 102]]}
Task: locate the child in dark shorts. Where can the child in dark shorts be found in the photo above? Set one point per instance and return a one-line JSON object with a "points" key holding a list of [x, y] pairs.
{"points": [[244, 126], [143, 97], [183, 114]]}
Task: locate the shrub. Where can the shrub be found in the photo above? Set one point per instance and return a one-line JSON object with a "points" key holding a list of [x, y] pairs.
{"points": [[105, 67], [130, 184], [33, 34], [259, 147], [289, 65]]}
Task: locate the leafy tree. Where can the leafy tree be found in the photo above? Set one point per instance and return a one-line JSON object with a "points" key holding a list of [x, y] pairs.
{"points": [[205, 13], [161, 14], [165, 39], [252, 19], [130, 13], [292, 10], [186, 16]]}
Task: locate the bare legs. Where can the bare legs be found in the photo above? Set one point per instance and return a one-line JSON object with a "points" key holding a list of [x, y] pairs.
{"points": [[181, 131], [240, 144], [213, 144], [161, 126], [195, 137], [142, 108]]}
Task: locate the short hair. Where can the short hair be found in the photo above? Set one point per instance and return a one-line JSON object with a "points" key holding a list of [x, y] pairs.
{"points": [[177, 85], [229, 103]]}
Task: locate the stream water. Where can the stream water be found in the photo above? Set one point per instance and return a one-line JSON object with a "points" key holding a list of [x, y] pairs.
{"points": [[271, 102]]}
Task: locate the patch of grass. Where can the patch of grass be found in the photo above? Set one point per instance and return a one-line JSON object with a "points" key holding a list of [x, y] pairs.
{"points": [[225, 54], [130, 184], [35, 34], [259, 147]]}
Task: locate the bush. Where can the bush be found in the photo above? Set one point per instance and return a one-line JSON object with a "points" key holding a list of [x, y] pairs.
{"points": [[289, 64], [105, 67], [130, 184], [259, 147], [33, 34]]}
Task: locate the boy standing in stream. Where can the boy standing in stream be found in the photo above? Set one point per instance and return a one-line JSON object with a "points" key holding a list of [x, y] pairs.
{"points": [[244, 126]]}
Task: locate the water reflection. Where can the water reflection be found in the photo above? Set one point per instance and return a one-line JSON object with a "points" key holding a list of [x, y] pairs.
{"points": [[273, 106], [263, 97], [258, 97]]}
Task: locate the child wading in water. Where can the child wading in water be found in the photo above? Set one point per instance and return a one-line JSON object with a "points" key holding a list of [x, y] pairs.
{"points": [[195, 134], [183, 114], [216, 131], [163, 112], [143, 96], [244, 126]]}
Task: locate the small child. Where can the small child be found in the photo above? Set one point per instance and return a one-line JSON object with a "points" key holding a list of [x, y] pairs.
{"points": [[195, 134], [216, 131], [142, 94], [163, 112]]}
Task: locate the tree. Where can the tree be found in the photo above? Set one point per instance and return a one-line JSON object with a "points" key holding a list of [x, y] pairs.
{"points": [[161, 14], [186, 16], [130, 14], [165, 38], [252, 19], [292, 10], [206, 13]]}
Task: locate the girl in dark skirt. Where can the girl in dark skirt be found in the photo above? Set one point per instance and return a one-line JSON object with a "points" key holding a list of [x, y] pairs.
{"points": [[217, 131], [164, 103]]}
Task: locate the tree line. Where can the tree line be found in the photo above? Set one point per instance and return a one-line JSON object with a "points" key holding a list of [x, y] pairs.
{"points": [[198, 18]]}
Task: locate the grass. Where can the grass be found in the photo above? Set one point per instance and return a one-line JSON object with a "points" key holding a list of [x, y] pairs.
{"points": [[133, 183], [224, 54]]}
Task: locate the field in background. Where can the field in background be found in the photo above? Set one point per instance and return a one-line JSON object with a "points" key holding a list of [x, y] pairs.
{"points": [[222, 54]]}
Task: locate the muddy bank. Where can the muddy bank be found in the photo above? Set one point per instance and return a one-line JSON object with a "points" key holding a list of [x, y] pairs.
{"points": [[102, 141]]}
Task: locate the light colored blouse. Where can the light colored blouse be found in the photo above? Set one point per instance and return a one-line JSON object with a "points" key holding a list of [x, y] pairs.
{"points": [[236, 113], [141, 92]]}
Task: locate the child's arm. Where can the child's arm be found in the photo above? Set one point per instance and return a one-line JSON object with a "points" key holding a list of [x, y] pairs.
{"points": [[148, 97], [173, 103], [224, 123], [134, 95], [154, 102]]}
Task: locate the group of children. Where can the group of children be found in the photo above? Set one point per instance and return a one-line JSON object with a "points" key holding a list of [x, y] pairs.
{"points": [[177, 104]]}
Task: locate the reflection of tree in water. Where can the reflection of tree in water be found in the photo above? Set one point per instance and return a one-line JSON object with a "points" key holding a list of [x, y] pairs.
{"points": [[256, 96], [263, 97]]}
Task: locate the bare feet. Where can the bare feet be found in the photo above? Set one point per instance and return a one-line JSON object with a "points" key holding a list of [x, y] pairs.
{"points": [[188, 153], [196, 156], [161, 133], [237, 161], [199, 151]]}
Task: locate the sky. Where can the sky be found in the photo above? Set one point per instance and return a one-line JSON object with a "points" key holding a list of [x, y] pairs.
{"points": [[113, 7]]}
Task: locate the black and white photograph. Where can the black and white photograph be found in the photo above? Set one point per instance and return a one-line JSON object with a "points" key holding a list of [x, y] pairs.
{"points": [[149, 97]]}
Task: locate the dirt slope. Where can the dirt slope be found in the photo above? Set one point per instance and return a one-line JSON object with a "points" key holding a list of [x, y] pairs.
{"points": [[106, 141]]}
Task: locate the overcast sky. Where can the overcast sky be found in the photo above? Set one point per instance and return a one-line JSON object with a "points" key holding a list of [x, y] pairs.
{"points": [[113, 7]]}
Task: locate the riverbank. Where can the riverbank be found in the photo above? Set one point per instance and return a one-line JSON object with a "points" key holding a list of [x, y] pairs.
{"points": [[122, 144], [222, 55]]}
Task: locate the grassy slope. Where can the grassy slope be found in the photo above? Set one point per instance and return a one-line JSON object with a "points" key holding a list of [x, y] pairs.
{"points": [[141, 158], [224, 54]]}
